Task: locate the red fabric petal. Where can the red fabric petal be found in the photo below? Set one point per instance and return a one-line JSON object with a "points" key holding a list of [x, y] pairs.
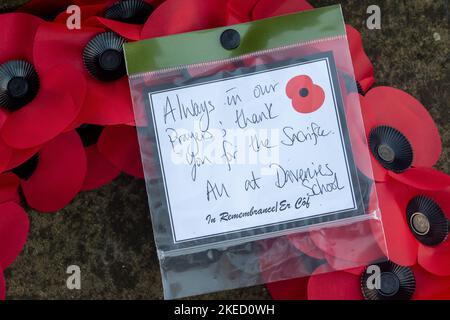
{"points": [[293, 289], [355, 242], [2, 285], [14, 227], [269, 8], [9, 185], [41, 120], [107, 103], [177, 16], [423, 178], [401, 244], [338, 285], [20, 156], [120, 146], [429, 286], [362, 66], [303, 242], [56, 45], [99, 170], [126, 30], [47, 8], [240, 11], [436, 259], [65, 78], [17, 35], [5, 155], [59, 174], [395, 108]]}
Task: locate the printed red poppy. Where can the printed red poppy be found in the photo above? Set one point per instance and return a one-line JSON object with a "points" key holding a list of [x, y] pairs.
{"points": [[39, 103], [306, 96], [14, 226], [177, 16], [400, 132], [416, 217], [97, 55], [395, 283], [53, 177], [120, 146]]}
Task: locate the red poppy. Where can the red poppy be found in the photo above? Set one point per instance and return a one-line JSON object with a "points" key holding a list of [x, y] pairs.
{"points": [[38, 103], [54, 176], [396, 283], [400, 132], [97, 55], [415, 209], [177, 16], [306, 96], [120, 146]]}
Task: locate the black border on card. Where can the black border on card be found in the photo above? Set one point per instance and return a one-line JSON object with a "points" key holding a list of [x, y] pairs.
{"points": [[166, 242]]}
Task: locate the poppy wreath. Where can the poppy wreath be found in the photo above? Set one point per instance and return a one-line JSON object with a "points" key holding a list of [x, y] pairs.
{"points": [[67, 125]]}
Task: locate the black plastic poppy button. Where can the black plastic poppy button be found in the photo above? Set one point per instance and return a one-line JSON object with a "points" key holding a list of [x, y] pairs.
{"points": [[420, 223], [304, 92], [230, 39], [389, 284], [110, 60], [395, 283], [18, 87], [386, 153], [427, 221], [391, 148], [19, 84], [103, 57]]}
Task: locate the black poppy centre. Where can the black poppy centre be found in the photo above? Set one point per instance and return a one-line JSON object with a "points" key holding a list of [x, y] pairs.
{"points": [[427, 221], [394, 283], [103, 57], [304, 92], [391, 148], [19, 84]]}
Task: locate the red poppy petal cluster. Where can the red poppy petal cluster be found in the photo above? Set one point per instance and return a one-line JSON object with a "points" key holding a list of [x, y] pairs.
{"points": [[67, 125], [403, 143]]}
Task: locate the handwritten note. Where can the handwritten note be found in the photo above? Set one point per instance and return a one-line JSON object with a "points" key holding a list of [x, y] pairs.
{"points": [[252, 150]]}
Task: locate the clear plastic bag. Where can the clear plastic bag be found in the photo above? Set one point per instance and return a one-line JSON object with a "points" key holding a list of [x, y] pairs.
{"points": [[255, 159]]}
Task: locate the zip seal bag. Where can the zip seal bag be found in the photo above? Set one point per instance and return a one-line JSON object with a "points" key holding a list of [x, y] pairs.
{"points": [[255, 159]]}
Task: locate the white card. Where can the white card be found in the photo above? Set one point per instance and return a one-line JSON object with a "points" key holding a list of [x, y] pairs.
{"points": [[257, 152]]}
